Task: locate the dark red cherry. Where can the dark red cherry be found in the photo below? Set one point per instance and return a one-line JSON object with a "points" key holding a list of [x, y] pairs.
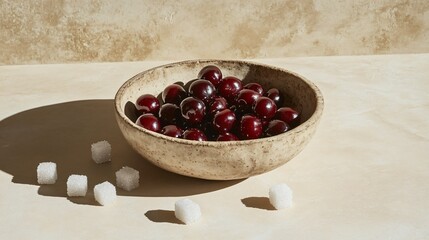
{"points": [[147, 103], [194, 134], [218, 104], [264, 108], [246, 98], [212, 74], [149, 121], [288, 115], [174, 93], [255, 87], [229, 88], [169, 113], [250, 127], [203, 90], [224, 120], [193, 110], [274, 94], [172, 131], [275, 127], [227, 137]]}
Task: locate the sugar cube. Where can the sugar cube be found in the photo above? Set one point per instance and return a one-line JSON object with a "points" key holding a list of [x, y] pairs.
{"points": [[105, 193], [187, 211], [47, 173], [101, 151], [77, 185], [280, 196], [127, 178]]}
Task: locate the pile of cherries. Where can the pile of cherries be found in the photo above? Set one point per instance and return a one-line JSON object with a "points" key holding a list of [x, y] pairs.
{"points": [[216, 109]]}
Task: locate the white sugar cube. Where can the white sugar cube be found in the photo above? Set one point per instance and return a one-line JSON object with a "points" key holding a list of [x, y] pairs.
{"points": [[77, 185], [105, 193], [187, 211], [127, 178], [280, 196], [47, 173], [101, 151]]}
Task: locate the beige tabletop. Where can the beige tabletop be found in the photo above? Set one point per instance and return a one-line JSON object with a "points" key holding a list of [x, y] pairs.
{"points": [[364, 175]]}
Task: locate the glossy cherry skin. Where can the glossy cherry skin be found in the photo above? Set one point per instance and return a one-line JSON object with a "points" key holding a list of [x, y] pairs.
{"points": [[250, 127], [194, 134], [169, 113], [203, 90], [172, 131], [218, 104], [147, 103], [174, 93], [264, 108], [193, 110], [246, 98], [288, 115], [149, 121], [276, 127], [227, 137], [255, 87], [224, 120], [212, 74], [274, 94], [229, 88]]}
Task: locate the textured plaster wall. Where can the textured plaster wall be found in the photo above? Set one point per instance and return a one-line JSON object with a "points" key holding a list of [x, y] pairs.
{"points": [[52, 31]]}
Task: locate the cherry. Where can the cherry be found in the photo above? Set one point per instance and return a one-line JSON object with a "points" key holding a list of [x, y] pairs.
{"points": [[218, 104], [172, 131], [169, 114], [194, 134], [193, 110], [264, 108], [288, 115], [250, 127], [203, 90], [274, 94], [149, 121], [212, 74], [174, 93], [229, 88], [224, 120], [209, 130], [246, 98], [147, 103], [255, 87], [275, 127], [227, 137]]}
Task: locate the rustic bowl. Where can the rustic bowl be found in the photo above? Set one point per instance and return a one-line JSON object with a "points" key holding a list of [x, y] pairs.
{"points": [[219, 160]]}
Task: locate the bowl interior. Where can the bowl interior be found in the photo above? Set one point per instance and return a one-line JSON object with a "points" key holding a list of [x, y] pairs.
{"points": [[298, 93]]}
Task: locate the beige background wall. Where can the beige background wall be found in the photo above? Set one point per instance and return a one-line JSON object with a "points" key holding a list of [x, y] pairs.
{"points": [[52, 31]]}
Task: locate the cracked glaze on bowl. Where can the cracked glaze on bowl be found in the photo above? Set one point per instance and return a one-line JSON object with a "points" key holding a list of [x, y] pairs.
{"points": [[220, 160]]}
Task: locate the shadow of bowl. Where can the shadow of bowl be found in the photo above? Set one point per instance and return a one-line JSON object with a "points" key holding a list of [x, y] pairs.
{"points": [[63, 133]]}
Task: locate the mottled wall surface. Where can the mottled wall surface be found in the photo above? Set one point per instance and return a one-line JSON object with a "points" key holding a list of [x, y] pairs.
{"points": [[52, 31]]}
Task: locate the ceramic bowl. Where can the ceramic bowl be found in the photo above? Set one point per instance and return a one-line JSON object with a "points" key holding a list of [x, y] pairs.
{"points": [[219, 160]]}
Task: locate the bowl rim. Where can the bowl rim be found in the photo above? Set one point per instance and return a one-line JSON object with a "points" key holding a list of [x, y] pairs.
{"points": [[301, 127]]}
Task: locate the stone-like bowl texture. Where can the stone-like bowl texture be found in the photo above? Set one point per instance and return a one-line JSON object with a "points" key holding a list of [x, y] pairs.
{"points": [[219, 160]]}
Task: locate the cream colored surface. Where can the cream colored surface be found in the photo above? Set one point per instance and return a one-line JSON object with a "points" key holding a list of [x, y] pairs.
{"points": [[57, 31], [364, 175]]}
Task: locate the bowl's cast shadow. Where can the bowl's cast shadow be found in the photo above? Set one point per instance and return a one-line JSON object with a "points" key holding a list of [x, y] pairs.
{"points": [[63, 133]]}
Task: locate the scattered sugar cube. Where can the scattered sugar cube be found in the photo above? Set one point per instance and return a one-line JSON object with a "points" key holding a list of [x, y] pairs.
{"points": [[47, 173], [101, 151], [105, 193], [280, 196], [187, 211], [77, 185], [127, 178]]}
